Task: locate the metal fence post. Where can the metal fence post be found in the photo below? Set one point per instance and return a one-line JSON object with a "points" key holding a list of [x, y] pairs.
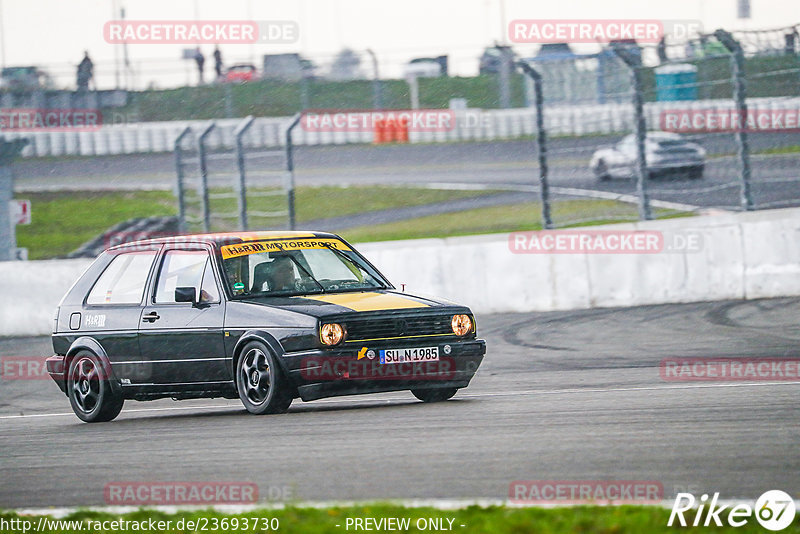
{"points": [[228, 91], [504, 78], [290, 169], [634, 63], [9, 150], [376, 81], [179, 192], [740, 99], [541, 138], [201, 154], [242, 186]]}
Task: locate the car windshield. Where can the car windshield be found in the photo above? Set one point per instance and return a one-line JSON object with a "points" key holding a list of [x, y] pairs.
{"points": [[296, 267]]}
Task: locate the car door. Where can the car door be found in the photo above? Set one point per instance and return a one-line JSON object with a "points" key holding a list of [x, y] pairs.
{"points": [[113, 307], [182, 341], [624, 160]]}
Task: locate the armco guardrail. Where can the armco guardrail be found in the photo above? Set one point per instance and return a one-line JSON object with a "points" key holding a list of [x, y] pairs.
{"points": [[745, 255], [473, 124]]}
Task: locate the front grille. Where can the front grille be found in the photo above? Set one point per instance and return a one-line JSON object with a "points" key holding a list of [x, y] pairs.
{"points": [[430, 325]]}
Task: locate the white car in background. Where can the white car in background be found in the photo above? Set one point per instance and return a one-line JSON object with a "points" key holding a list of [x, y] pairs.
{"points": [[665, 153]]}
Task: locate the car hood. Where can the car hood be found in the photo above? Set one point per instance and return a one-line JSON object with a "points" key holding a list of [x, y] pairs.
{"points": [[326, 304]]}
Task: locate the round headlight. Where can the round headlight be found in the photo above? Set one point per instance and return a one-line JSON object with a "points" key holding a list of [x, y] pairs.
{"points": [[462, 325], [331, 334]]}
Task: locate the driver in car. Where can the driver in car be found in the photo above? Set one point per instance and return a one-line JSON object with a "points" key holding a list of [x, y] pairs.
{"points": [[281, 276]]}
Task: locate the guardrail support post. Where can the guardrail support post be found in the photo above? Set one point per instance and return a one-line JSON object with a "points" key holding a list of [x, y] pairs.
{"points": [[634, 63], [201, 154], [290, 169], [740, 100], [541, 139], [241, 129]]}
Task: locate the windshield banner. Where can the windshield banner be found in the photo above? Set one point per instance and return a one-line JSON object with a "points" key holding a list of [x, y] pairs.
{"points": [[259, 247]]}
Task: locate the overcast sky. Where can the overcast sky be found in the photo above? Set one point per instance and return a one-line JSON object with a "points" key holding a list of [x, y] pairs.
{"points": [[55, 32]]}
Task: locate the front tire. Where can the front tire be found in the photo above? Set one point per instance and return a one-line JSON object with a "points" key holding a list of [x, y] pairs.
{"points": [[262, 387], [601, 171], [90, 393], [434, 395]]}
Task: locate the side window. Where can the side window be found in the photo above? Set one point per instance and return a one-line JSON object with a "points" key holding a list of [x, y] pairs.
{"points": [[123, 280], [186, 268]]}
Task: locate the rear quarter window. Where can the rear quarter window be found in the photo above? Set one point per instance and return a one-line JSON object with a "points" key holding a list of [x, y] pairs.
{"points": [[123, 281]]}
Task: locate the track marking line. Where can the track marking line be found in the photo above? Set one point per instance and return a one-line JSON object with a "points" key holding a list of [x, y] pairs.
{"points": [[633, 388], [463, 395], [440, 504]]}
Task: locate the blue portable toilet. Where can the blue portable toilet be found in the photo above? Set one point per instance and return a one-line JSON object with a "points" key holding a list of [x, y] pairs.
{"points": [[676, 82]]}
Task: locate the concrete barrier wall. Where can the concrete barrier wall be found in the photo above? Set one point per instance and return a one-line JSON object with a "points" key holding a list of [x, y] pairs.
{"points": [[31, 292], [740, 256]]}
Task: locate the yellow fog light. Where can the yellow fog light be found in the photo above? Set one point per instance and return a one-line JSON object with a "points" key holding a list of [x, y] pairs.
{"points": [[331, 334], [462, 325]]}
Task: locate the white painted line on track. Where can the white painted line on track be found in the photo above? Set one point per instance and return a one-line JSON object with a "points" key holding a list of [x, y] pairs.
{"points": [[349, 400], [568, 191], [440, 504]]}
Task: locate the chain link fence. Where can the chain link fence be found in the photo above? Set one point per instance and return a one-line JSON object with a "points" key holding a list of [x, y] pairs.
{"points": [[707, 122], [227, 189]]}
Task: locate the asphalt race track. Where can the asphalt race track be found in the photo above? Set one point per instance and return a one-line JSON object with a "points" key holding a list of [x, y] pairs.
{"points": [[561, 396], [495, 163]]}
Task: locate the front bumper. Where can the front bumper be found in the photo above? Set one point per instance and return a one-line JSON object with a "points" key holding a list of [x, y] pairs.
{"points": [[328, 373]]}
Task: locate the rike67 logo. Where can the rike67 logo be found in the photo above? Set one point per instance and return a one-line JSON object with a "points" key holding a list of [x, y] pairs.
{"points": [[774, 510]]}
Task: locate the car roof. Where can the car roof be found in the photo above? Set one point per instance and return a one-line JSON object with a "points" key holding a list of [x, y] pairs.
{"points": [[227, 238]]}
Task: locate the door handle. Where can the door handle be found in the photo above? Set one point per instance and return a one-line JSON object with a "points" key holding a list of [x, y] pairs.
{"points": [[151, 317]]}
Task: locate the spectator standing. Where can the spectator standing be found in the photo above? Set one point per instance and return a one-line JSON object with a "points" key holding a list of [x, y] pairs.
{"points": [[218, 62], [662, 50], [85, 72], [201, 61]]}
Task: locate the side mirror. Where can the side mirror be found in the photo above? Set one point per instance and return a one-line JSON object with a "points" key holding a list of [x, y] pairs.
{"points": [[186, 294]]}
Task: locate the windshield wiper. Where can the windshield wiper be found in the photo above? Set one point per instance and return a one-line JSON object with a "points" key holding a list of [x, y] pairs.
{"points": [[347, 259]]}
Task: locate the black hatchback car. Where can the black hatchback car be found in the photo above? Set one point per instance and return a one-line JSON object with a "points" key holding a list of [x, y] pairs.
{"points": [[263, 316]]}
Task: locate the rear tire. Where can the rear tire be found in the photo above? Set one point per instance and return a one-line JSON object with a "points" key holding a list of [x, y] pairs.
{"points": [[434, 395], [90, 393], [262, 387]]}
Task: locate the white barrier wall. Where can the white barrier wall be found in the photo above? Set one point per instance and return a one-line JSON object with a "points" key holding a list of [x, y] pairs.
{"points": [[268, 132], [740, 256], [744, 255], [31, 292]]}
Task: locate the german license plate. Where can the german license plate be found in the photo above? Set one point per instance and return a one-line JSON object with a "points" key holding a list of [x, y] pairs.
{"points": [[417, 354]]}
